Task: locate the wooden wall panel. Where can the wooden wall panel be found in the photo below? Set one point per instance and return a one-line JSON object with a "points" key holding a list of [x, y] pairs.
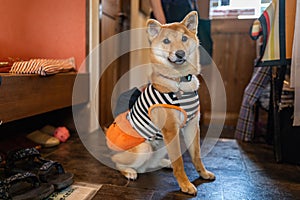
{"points": [[234, 53], [110, 7], [203, 7]]}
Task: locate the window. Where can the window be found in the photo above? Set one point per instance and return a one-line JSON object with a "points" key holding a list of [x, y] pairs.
{"points": [[237, 8]]}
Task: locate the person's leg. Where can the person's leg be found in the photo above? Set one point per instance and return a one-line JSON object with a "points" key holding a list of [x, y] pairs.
{"points": [[245, 125]]}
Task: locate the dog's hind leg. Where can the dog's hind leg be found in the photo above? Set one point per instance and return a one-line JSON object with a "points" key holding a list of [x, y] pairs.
{"points": [[158, 159], [128, 162], [191, 135]]}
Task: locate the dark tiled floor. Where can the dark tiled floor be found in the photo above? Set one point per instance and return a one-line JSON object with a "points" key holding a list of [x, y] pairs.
{"points": [[243, 171]]}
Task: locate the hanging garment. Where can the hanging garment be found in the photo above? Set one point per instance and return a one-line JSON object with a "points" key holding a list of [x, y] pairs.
{"points": [[276, 25], [295, 67]]}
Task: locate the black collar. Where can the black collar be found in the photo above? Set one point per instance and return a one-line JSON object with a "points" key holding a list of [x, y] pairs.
{"points": [[187, 78]]}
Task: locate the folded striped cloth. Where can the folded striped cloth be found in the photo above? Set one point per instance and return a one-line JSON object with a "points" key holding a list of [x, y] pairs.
{"points": [[43, 67]]}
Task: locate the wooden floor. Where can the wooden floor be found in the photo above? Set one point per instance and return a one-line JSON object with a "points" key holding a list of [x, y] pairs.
{"points": [[243, 171]]}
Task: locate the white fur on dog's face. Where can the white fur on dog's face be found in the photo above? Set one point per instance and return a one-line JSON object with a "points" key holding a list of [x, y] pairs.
{"points": [[174, 47]]}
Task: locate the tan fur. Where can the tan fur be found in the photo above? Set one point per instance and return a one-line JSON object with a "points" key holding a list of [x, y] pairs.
{"points": [[165, 78]]}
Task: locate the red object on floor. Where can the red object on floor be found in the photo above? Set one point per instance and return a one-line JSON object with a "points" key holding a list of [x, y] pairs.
{"points": [[62, 133]]}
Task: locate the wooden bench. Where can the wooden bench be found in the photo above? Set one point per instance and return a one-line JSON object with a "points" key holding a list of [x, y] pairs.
{"points": [[27, 95]]}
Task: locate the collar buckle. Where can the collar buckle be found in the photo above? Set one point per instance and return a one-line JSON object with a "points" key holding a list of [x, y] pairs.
{"points": [[187, 78]]}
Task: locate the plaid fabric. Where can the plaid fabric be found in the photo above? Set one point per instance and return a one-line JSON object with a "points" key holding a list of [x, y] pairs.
{"points": [[245, 125]]}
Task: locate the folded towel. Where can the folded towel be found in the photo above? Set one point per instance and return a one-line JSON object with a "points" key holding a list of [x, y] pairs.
{"points": [[43, 67]]}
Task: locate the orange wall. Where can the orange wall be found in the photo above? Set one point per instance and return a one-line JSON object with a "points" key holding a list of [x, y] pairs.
{"points": [[43, 29]]}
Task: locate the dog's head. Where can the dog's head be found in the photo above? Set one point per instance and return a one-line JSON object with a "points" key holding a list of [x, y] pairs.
{"points": [[175, 46]]}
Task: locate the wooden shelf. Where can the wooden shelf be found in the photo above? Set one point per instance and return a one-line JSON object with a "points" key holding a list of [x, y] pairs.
{"points": [[27, 95]]}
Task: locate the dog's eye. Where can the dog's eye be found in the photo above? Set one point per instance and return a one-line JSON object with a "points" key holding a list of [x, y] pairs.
{"points": [[184, 38], [166, 41]]}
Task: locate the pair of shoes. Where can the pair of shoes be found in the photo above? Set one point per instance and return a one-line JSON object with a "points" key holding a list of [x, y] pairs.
{"points": [[61, 133], [48, 171], [49, 136], [24, 186]]}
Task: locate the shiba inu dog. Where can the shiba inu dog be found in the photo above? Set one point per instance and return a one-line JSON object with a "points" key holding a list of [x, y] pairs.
{"points": [[149, 131]]}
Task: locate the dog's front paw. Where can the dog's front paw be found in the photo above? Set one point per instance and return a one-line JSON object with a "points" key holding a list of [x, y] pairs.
{"points": [[129, 173], [188, 188], [207, 175]]}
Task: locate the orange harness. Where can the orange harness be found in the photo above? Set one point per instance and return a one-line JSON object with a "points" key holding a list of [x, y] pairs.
{"points": [[121, 136]]}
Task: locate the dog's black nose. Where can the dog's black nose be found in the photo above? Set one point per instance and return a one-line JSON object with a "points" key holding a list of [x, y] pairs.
{"points": [[180, 54]]}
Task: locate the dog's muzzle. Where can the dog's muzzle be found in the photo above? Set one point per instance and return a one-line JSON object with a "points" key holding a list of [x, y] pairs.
{"points": [[177, 58]]}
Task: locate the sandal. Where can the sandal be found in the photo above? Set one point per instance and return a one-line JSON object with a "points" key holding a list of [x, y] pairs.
{"points": [[24, 186], [48, 171]]}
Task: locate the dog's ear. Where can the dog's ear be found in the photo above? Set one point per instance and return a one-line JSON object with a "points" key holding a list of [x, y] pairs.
{"points": [[191, 21], [153, 29]]}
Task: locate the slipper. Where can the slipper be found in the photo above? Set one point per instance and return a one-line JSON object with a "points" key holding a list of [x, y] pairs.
{"points": [[43, 139], [24, 186], [48, 171]]}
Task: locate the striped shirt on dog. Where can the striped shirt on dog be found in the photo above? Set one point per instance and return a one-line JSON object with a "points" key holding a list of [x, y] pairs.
{"points": [[187, 103]]}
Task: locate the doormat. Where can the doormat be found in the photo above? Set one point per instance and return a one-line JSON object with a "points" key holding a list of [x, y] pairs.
{"points": [[77, 191]]}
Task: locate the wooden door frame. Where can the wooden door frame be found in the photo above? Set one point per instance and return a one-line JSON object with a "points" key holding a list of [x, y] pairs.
{"points": [[92, 41], [122, 62]]}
